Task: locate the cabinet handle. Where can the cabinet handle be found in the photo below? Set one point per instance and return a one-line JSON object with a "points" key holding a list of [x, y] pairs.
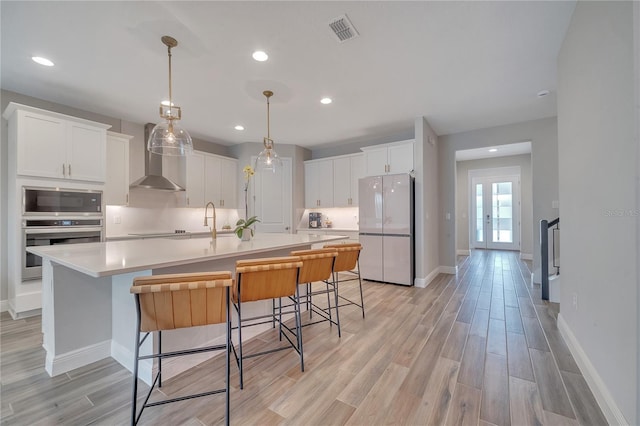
{"points": [[69, 170], [127, 198], [64, 170], [188, 201]]}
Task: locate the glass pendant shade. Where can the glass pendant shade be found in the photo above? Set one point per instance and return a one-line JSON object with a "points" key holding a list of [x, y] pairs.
{"points": [[268, 160], [170, 138]]}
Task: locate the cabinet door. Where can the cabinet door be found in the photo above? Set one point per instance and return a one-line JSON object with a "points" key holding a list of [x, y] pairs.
{"points": [[310, 185], [195, 180], [212, 182], [401, 158], [86, 154], [375, 161], [116, 189], [342, 182], [41, 146], [325, 183], [229, 183], [357, 172]]}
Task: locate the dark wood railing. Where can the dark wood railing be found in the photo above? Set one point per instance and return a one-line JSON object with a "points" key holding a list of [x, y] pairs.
{"points": [[545, 225]]}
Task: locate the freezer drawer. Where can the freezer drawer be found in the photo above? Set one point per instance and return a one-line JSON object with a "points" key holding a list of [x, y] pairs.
{"points": [[371, 257], [387, 258], [397, 258]]}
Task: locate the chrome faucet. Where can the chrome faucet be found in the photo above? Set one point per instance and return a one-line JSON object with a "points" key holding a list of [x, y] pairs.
{"points": [[206, 223]]}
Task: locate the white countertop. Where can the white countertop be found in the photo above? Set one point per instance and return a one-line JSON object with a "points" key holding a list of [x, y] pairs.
{"points": [[118, 257], [328, 229]]}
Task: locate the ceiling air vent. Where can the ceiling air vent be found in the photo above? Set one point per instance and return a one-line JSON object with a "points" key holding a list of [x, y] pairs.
{"points": [[343, 28]]}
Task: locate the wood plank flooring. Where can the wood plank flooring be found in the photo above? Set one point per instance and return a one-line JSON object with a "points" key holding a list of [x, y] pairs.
{"points": [[479, 348]]}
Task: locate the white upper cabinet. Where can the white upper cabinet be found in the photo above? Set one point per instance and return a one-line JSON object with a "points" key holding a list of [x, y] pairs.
{"points": [[318, 183], [392, 158], [116, 189], [52, 145], [346, 172], [229, 183], [211, 178], [195, 180], [220, 184]]}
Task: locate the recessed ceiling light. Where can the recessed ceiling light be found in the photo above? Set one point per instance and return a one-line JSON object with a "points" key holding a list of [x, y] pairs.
{"points": [[493, 150], [239, 127], [260, 56], [326, 101], [543, 93], [42, 61]]}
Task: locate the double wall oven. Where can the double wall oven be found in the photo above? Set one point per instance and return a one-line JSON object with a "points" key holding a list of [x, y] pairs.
{"points": [[53, 216]]}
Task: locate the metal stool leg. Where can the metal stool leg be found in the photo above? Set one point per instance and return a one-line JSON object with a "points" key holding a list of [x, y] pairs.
{"points": [[299, 328], [335, 292]]}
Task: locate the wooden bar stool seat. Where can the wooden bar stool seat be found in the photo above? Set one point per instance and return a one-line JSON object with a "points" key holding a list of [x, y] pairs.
{"points": [[169, 302], [348, 262], [264, 279], [317, 266]]}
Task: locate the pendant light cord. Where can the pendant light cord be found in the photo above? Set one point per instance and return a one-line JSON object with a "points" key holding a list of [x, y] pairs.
{"points": [[170, 97]]}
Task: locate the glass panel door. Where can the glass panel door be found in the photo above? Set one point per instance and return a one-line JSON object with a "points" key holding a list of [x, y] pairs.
{"points": [[495, 212]]}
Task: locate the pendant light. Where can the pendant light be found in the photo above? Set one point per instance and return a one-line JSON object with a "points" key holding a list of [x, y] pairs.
{"points": [[169, 137], [268, 160]]}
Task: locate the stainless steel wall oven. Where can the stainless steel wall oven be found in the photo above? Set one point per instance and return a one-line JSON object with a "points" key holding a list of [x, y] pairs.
{"points": [[48, 232], [52, 216]]}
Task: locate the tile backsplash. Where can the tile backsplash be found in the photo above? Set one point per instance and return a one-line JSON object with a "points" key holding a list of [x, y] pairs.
{"points": [[122, 220], [340, 217]]}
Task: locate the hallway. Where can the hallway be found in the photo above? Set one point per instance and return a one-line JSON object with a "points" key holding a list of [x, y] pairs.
{"points": [[470, 349]]}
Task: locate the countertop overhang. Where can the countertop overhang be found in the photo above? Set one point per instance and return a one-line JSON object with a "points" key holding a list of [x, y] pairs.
{"points": [[119, 257]]}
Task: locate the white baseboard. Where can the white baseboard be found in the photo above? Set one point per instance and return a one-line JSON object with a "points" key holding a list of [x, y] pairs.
{"points": [[451, 270], [526, 256], [463, 252], [60, 364], [4, 305], [596, 384], [424, 282], [125, 357]]}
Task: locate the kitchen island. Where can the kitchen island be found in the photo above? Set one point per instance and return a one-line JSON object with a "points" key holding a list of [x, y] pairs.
{"points": [[88, 313]]}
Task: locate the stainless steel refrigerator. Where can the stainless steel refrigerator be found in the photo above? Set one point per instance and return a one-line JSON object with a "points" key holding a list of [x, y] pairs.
{"points": [[386, 228]]}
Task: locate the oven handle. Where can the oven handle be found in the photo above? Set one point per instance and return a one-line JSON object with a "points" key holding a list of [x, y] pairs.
{"points": [[60, 230]]}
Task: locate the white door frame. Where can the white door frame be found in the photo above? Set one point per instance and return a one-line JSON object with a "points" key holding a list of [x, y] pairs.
{"points": [[483, 176]]}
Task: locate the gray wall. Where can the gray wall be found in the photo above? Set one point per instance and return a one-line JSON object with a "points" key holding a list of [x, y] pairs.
{"points": [[598, 170], [526, 198], [353, 146], [425, 151], [544, 171]]}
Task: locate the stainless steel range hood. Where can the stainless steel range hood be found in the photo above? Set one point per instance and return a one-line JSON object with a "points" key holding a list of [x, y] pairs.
{"points": [[153, 178]]}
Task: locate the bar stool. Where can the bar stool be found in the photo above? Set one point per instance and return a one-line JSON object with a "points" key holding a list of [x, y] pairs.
{"points": [[264, 279], [169, 302], [347, 261], [317, 265]]}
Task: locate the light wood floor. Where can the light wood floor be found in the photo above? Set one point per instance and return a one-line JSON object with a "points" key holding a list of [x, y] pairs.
{"points": [[480, 348]]}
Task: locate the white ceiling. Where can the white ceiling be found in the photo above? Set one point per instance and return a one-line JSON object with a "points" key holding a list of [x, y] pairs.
{"points": [[462, 65], [500, 151]]}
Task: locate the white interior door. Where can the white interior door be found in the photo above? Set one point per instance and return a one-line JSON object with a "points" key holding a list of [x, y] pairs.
{"points": [[272, 199], [495, 212]]}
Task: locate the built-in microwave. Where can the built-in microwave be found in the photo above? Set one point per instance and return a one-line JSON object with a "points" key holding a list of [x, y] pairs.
{"points": [[57, 201]]}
